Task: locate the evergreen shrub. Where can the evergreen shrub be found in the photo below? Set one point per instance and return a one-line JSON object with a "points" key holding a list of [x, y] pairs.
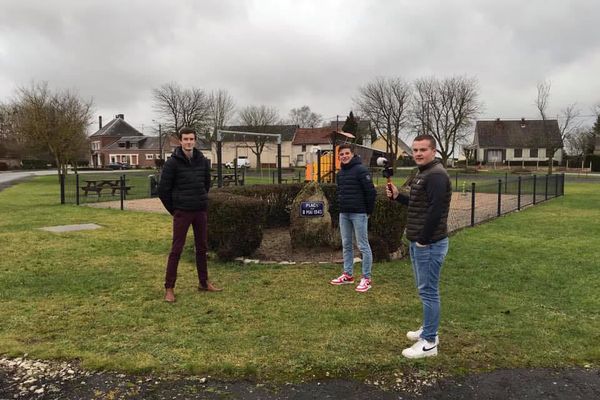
{"points": [[235, 224], [386, 226], [276, 200]]}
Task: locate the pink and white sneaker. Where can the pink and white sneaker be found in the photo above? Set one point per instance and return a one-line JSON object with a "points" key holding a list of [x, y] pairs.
{"points": [[343, 279], [364, 285]]}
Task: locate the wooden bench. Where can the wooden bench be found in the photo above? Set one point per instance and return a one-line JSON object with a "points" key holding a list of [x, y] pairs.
{"points": [[290, 178], [96, 189], [116, 188]]}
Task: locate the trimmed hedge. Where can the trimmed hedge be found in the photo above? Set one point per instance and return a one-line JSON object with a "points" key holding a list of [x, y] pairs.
{"points": [[239, 213], [276, 200], [386, 226], [235, 224]]}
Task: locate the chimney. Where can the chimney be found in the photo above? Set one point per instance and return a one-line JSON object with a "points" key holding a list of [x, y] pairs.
{"points": [[99, 122], [523, 124], [120, 116]]}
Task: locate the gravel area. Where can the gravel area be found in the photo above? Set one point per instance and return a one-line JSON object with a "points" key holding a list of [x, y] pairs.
{"points": [[25, 378]]}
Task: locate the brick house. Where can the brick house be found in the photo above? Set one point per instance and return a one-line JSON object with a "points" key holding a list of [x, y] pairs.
{"points": [[118, 141], [306, 140]]}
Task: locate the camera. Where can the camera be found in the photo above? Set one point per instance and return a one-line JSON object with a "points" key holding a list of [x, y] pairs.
{"points": [[387, 171]]}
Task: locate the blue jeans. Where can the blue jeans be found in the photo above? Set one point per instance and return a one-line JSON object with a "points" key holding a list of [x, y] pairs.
{"points": [[359, 225], [427, 263]]}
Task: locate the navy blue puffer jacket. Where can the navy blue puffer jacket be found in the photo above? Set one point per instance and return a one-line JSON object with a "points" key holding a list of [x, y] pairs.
{"points": [[355, 190]]}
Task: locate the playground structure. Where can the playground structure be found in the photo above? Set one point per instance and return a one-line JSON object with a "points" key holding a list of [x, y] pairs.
{"points": [[322, 165]]}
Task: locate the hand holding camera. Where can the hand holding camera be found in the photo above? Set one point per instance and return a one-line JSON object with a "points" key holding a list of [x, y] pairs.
{"points": [[388, 172]]}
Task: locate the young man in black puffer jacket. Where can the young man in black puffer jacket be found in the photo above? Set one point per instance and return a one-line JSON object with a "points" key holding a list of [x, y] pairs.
{"points": [[183, 190], [356, 196], [427, 229]]}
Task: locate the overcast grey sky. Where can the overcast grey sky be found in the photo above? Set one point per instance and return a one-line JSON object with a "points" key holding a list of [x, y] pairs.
{"points": [[286, 54]]}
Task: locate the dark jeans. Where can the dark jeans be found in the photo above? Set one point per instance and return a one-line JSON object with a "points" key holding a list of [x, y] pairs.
{"points": [[181, 223]]}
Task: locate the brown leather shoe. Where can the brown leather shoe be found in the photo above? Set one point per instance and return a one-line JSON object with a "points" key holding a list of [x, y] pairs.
{"points": [[209, 288], [170, 295]]}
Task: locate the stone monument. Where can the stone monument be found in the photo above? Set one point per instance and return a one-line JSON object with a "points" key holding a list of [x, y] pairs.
{"points": [[310, 220]]}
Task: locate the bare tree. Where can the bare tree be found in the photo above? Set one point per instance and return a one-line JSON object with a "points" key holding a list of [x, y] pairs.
{"points": [[385, 101], [567, 122], [220, 108], [57, 121], [446, 109], [304, 117], [181, 107], [11, 144], [258, 117], [578, 142]]}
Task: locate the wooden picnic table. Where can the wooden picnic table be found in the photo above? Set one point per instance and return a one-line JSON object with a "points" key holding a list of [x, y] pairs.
{"points": [[102, 182], [227, 179], [98, 185]]}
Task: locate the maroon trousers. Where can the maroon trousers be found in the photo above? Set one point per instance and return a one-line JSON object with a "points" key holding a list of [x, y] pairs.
{"points": [[181, 224]]}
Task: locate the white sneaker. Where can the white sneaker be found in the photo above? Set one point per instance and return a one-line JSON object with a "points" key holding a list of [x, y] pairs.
{"points": [[422, 348], [414, 335]]}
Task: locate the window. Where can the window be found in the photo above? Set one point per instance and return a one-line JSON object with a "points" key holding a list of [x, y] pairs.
{"points": [[518, 153], [533, 153], [95, 145], [494, 156], [303, 147], [149, 156], [121, 144], [300, 158]]}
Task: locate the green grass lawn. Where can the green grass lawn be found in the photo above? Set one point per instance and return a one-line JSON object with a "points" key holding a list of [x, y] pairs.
{"points": [[521, 291]]}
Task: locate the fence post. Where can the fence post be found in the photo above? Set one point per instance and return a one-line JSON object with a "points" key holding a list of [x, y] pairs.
{"points": [[519, 194], [456, 180], [499, 197], [76, 188], [473, 204], [122, 191], [556, 185], [61, 179], [562, 185], [546, 190], [319, 166], [534, 187], [506, 182]]}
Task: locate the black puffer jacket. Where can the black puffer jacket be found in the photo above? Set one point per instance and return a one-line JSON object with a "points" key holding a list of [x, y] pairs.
{"points": [[185, 182], [355, 190], [429, 204]]}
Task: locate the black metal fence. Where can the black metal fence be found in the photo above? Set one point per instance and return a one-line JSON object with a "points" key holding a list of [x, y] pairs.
{"points": [[476, 202], [100, 187], [476, 198]]}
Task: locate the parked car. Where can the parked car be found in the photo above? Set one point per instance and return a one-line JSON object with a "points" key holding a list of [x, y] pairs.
{"points": [[242, 162], [118, 165]]}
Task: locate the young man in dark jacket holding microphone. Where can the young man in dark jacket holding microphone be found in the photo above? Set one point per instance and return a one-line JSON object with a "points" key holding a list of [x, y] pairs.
{"points": [[426, 228], [356, 196], [183, 190]]}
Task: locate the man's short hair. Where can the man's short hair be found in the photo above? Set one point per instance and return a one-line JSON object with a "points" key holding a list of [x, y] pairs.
{"points": [[346, 146], [186, 130], [426, 137]]}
